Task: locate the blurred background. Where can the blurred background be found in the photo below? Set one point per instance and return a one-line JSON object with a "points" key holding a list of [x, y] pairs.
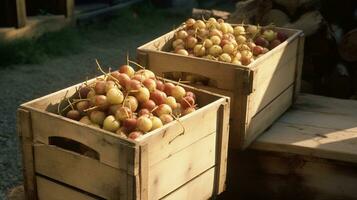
{"points": [[46, 45]]}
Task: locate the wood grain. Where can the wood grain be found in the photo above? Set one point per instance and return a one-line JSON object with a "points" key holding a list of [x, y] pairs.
{"points": [[318, 126]]}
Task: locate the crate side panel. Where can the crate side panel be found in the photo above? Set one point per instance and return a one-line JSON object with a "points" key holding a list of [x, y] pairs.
{"points": [[80, 172], [268, 115], [199, 188], [53, 191], [220, 74], [273, 76], [112, 150], [24, 130], [181, 135], [178, 169]]}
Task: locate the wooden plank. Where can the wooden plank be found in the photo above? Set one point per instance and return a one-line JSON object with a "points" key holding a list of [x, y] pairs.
{"points": [[318, 126], [300, 61], [308, 140], [80, 172], [21, 13], [53, 191], [239, 110], [200, 187], [276, 75], [175, 171], [144, 172], [222, 149], [24, 130], [112, 149], [221, 74], [326, 105], [268, 115], [176, 136]]}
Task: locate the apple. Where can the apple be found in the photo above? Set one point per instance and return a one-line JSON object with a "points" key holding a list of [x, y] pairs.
{"points": [[134, 135], [74, 114], [274, 44], [261, 42], [269, 35], [128, 70]]}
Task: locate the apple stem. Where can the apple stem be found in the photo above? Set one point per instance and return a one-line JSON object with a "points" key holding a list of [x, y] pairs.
{"points": [[178, 120], [137, 64], [92, 108], [116, 81], [70, 104], [126, 96], [154, 109], [59, 104]]}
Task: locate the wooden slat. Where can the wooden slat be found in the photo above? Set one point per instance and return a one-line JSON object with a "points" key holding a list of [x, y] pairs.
{"points": [[53, 191], [177, 136], [218, 72], [24, 130], [276, 74], [222, 148], [299, 63], [318, 126], [268, 115], [160, 61], [169, 174], [239, 110], [81, 172], [144, 172], [112, 150], [326, 105], [200, 187]]}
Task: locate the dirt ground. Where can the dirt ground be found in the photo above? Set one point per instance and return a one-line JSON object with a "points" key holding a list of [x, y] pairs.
{"points": [[25, 82]]}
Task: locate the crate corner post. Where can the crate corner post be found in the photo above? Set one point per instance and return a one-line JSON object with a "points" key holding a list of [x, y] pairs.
{"points": [[25, 135]]}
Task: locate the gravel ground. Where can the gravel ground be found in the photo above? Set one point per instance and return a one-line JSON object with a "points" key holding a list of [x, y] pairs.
{"points": [[25, 82]]}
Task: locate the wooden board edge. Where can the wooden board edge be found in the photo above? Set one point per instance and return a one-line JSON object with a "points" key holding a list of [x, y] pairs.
{"points": [[144, 172], [222, 148], [239, 111], [299, 64], [283, 100], [24, 130]]}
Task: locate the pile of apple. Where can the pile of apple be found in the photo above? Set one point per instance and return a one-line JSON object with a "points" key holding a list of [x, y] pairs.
{"points": [[216, 40], [130, 103]]}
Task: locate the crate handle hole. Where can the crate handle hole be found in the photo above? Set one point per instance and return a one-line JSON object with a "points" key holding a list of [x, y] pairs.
{"points": [[190, 78], [74, 146]]}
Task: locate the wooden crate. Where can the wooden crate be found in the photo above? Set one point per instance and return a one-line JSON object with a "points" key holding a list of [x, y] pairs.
{"points": [[260, 92], [66, 158]]}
